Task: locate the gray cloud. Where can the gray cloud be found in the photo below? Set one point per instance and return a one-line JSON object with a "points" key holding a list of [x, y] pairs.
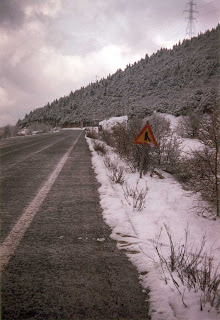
{"points": [[50, 47], [11, 13], [91, 24]]}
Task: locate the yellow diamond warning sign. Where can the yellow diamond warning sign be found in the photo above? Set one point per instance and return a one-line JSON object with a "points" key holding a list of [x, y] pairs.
{"points": [[146, 136]]}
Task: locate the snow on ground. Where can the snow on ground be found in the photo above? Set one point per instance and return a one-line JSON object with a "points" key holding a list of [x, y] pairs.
{"points": [[135, 231], [108, 124], [173, 120], [187, 145]]}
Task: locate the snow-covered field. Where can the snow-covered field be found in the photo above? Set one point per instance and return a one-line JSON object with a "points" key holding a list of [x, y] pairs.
{"points": [[166, 204]]}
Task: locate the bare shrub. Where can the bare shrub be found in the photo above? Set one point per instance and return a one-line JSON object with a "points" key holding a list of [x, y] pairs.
{"points": [[131, 166], [201, 177], [8, 131], [189, 125], [136, 196], [167, 154], [160, 126], [192, 267], [122, 141], [108, 163], [99, 147], [107, 137], [92, 134], [117, 174], [121, 138], [202, 168], [124, 135]]}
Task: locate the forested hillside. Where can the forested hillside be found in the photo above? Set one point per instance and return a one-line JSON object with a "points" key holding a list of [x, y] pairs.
{"points": [[173, 81]]}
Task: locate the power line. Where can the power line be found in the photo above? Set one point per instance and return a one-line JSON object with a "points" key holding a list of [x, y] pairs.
{"points": [[205, 3], [190, 29], [205, 13]]}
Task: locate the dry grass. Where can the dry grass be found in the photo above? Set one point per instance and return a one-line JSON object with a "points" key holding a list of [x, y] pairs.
{"points": [[136, 196], [92, 134], [191, 267], [99, 147]]}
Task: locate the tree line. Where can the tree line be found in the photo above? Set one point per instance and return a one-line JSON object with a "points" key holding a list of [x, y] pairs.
{"points": [[174, 81]]}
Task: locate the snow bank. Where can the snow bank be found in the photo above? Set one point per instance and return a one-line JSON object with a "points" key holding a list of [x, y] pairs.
{"points": [[187, 145], [108, 124], [173, 120], [135, 232]]}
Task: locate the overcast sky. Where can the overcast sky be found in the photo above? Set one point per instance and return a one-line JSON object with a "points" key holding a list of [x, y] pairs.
{"points": [[50, 47]]}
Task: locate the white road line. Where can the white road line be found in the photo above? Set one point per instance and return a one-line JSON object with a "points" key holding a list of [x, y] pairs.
{"points": [[12, 241], [22, 160]]}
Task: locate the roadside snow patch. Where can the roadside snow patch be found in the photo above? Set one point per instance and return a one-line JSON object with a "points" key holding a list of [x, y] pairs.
{"points": [[109, 124], [135, 232]]}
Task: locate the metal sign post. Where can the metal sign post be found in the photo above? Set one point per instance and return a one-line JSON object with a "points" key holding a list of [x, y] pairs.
{"points": [[142, 161], [145, 137]]}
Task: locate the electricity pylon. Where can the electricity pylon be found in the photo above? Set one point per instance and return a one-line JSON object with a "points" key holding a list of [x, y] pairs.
{"points": [[190, 30]]}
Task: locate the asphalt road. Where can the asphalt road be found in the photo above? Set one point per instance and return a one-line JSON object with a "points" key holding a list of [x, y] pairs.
{"points": [[54, 266]]}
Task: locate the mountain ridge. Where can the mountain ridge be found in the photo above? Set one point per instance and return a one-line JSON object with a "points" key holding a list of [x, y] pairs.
{"points": [[173, 80]]}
